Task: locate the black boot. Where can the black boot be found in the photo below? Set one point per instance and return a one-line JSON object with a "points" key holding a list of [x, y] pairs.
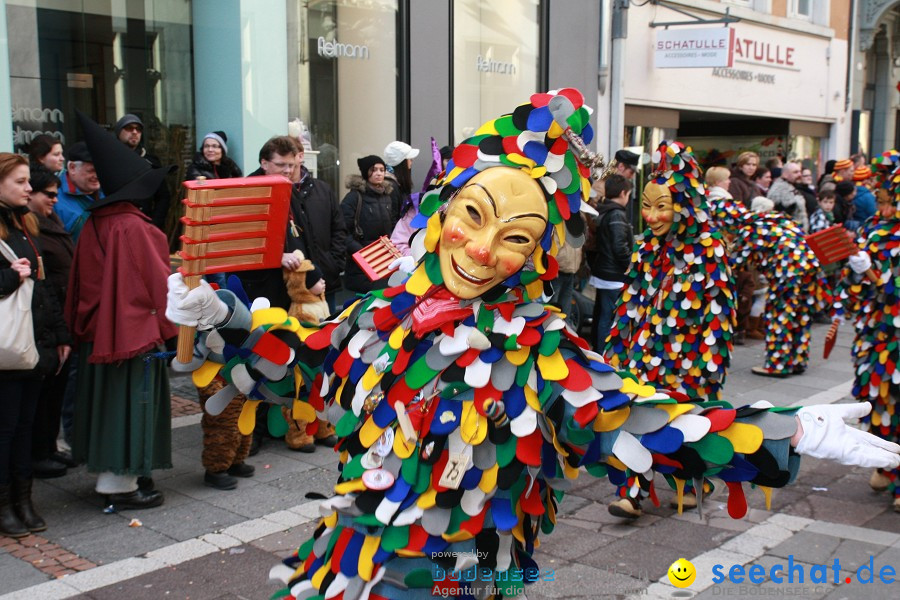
{"points": [[10, 524], [24, 508]]}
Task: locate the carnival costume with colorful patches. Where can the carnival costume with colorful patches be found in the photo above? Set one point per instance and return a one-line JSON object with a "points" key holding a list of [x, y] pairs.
{"points": [[797, 286], [463, 421], [876, 309], [675, 318]]}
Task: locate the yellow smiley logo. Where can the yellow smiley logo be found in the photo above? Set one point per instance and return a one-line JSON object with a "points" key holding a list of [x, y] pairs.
{"points": [[682, 573]]}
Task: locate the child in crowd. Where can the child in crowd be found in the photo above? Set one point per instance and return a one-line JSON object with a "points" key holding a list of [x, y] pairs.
{"points": [[823, 218]]}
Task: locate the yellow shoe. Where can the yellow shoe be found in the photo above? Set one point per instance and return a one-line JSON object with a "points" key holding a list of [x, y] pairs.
{"points": [[897, 504], [625, 508], [880, 482]]}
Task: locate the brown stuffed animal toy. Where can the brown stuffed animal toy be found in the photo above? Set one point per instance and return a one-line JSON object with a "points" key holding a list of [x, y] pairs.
{"points": [[306, 289]]}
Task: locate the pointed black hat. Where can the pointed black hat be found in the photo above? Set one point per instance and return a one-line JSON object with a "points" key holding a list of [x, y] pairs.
{"points": [[124, 176]]}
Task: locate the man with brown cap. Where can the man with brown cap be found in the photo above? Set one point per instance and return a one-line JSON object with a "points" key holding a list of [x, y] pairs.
{"points": [[116, 311]]}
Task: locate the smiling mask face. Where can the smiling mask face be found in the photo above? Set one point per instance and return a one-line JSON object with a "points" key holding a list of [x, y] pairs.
{"points": [[490, 230], [657, 208]]}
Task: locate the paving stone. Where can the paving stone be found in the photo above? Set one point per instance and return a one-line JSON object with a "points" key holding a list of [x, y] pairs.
{"points": [[320, 481], [253, 529], [807, 547], [691, 539], [283, 543], [60, 523], [849, 532], [640, 560], [192, 519], [18, 574], [257, 501], [221, 540], [310, 510], [790, 521], [271, 466], [49, 590], [220, 575], [114, 542], [567, 542], [286, 518], [104, 575], [191, 485], [190, 437], [182, 552], [886, 520]]}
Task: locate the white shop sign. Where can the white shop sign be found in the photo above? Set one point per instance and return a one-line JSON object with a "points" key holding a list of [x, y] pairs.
{"points": [[692, 48]]}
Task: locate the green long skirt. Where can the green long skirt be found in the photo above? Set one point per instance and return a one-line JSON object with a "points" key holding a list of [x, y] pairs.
{"points": [[123, 416]]}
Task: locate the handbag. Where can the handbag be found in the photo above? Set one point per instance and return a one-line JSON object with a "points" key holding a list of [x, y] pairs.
{"points": [[18, 350]]}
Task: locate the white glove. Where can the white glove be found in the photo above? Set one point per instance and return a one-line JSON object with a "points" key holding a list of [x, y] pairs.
{"points": [[860, 262], [826, 435], [407, 264], [200, 307]]}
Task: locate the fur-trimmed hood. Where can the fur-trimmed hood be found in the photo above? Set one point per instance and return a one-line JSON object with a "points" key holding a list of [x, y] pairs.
{"points": [[358, 184]]}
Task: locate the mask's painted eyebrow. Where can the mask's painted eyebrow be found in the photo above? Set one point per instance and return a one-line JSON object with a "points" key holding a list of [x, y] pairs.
{"points": [[493, 204], [649, 199]]}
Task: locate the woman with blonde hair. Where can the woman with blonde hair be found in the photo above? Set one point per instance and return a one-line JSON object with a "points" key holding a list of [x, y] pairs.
{"points": [[742, 188], [20, 384]]}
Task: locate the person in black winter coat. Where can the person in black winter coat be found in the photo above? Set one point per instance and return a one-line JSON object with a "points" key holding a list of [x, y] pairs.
{"points": [[19, 388], [370, 210], [211, 160], [614, 239], [57, 251], [327, 232]]}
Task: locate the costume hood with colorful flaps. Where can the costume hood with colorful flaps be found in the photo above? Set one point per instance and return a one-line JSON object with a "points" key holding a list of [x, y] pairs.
{"points": [[678, 169], [123, 175], [547, 138], [883, 167], [675, 318]]}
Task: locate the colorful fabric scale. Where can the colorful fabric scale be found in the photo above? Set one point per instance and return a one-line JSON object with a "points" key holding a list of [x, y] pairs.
{"points": [[797, 286], [674, 322], [876, 309]]}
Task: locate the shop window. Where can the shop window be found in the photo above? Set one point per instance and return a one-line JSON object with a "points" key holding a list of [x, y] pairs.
{"points": [[801, 9], [104, 59], [495, 58], [342, 78]]}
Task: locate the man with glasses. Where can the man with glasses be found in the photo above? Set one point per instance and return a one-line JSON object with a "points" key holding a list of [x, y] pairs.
{"points": [[79, 190], [278, 156]]}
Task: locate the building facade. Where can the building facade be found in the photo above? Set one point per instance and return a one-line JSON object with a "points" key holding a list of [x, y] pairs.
{"points": [[774, 80]]}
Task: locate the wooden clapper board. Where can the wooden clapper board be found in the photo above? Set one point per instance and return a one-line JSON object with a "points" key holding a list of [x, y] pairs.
{"points": [[231, 225]]}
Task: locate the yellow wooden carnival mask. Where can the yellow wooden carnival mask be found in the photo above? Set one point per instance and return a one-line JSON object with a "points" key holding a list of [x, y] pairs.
{"points": [[490, 229], [657, 208]]}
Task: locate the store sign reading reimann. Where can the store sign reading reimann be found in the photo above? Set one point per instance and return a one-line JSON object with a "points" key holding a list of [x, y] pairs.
{"points": [[335, 49]]}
